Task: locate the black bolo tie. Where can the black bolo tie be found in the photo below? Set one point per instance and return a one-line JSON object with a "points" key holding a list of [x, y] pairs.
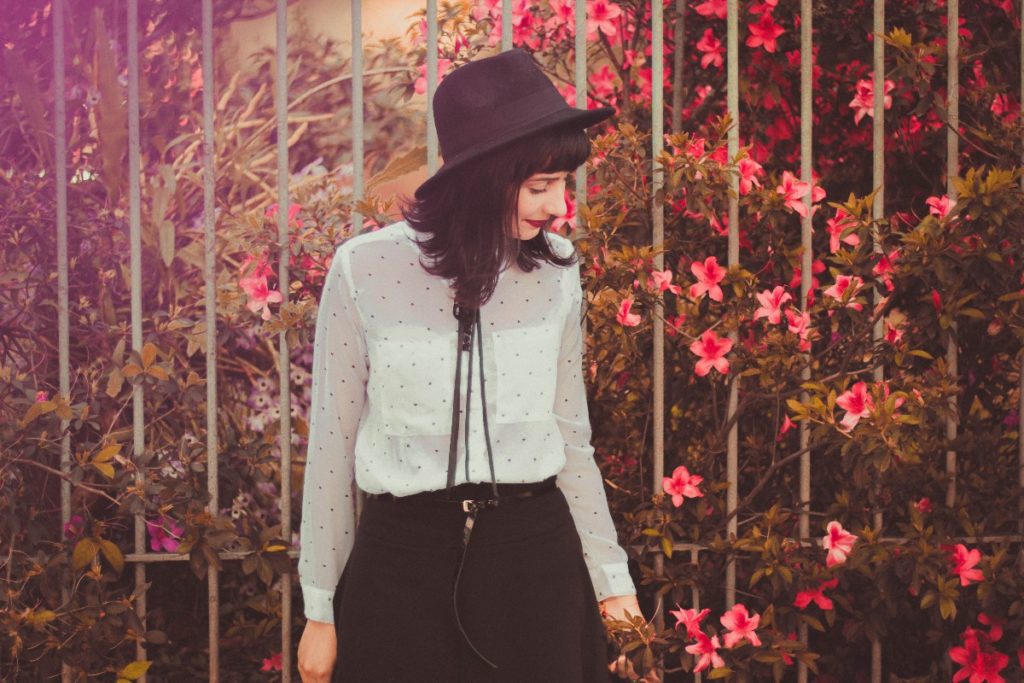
{"points": [[469, 326]]}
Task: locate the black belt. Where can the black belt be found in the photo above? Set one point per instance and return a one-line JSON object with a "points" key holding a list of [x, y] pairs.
{"points": [[468, 495]]}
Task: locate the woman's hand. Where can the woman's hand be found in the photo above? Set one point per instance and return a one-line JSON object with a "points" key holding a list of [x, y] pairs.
{"points": [[318, 649], [616, 608]]}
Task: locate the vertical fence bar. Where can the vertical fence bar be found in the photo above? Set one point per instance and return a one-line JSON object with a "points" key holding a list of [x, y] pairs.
{"points": [[358, 152], [60, 174], [431, 84], [210, 282], [135, 229], [952, 168], [878, 214], [580, 79], [506, 25], [284, 357], [658, 241], [806, 263], [679, 35], [732, 448], [1020, 395]]}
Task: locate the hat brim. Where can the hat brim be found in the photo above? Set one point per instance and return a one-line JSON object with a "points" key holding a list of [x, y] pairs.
{"points": [[579, 118]]}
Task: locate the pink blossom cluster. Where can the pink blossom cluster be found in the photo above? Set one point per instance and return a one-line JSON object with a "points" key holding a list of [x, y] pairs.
{"points": [[980, 660], [739, 625]]}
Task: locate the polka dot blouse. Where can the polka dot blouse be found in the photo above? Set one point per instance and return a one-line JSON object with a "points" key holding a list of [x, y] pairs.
{"points": [[383, 377]]}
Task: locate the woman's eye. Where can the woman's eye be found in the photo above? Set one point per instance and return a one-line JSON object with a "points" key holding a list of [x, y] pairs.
{"points": [[533, 191]]}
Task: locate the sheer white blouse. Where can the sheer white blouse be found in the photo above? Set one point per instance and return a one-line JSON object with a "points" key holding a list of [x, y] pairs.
{"points": [[383, 377]]}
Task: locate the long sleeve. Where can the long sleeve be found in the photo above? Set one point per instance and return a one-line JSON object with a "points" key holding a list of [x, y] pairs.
{"points": [[581, 480], [340, 370]]}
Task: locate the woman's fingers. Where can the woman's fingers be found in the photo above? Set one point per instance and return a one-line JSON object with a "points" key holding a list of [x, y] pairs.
{"points": [[623, 668]]}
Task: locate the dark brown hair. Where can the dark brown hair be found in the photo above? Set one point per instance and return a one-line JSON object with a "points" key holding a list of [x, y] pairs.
{"points": [[467, 218]]}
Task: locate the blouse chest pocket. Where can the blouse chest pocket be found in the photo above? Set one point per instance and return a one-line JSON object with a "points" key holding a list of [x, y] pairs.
{"points": [[526, 359], [414, 383]]}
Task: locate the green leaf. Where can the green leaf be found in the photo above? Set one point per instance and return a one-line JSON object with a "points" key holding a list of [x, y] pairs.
{"points": [[113, 555], [720, 672], [83, 553], [947, 608], [135, 670], [104, 468]]}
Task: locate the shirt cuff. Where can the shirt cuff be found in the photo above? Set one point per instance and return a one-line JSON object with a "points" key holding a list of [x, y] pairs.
{"points": [[612, 580], [319, 604]]}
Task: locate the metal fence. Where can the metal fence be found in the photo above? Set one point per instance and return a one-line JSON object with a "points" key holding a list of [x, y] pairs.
{"points": [[140, 558]]}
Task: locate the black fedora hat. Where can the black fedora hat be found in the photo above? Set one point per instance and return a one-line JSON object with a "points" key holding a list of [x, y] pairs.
{"points": [[493, 101]]}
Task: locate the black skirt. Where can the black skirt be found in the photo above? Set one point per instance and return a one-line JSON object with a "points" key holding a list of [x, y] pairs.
{"points": [[525, 599]]}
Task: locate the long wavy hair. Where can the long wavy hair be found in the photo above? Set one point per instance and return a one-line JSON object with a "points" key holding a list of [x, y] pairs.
{"points": [[467, 220]]}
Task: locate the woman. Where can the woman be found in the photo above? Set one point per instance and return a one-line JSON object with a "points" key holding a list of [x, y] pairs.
{"points": [[479, 556]]}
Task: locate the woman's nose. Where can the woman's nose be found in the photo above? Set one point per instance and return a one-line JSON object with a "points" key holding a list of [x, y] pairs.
{"points": [[556, 205]]}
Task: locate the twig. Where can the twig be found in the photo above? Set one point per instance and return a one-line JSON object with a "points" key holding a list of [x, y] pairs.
{"points": [[67, 477]]}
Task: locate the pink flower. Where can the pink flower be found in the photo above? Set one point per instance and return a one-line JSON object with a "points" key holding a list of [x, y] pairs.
{"points": [[924, 505], [690, 619], [712, 351], [707, 648], [41, 396], [838, 542], [980, 661], [787, 424], [420, 86], [963, 561], [569, 219], [625, 317], [940, 206], [1005, 107], [771, 304], [863, 103], [563, 16], [600, 17], [164, 534], [741, 625], [293, 211], [272, 663], [893, 332], [260, 296], [766, 6], [673, 324], [661, 280], [712, 48], [884, 269], [817, 596], [836, 227], [846, 285], [603, 83], [681, 485], [799, 324], [794, 191], [817, 267], [857, 404], [749, 170], [255, 285], [764, 33], [709, 274], [716, 8], [75, 526]]}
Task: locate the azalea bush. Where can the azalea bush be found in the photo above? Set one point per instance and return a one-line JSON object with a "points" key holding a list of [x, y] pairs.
{"points": [[934, 584], [94, 627]]}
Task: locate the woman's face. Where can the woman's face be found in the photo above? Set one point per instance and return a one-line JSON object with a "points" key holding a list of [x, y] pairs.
{"points": [[541, 198]]}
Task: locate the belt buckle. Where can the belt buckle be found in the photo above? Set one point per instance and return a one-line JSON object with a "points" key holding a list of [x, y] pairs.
{"points": [[471, 505]]}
